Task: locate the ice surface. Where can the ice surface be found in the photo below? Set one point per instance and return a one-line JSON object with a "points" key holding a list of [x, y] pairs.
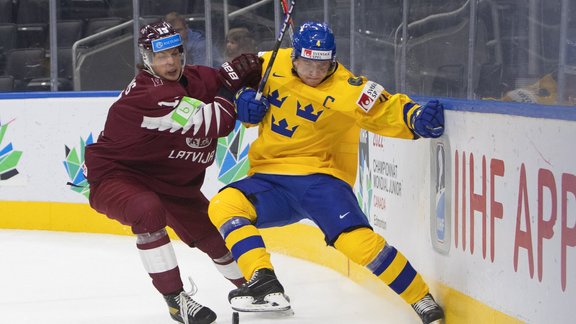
{"points": [[78, 278]]}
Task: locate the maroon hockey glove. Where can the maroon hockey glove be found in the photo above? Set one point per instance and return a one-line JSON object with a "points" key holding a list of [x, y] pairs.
{"points": [[243, 71]]}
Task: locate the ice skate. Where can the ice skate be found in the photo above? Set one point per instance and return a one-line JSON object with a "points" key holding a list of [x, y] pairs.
{"points": [[184, 309], [262, 293], [428, 310]]}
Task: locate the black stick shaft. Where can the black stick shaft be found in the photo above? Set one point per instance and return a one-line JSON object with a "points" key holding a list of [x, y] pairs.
{"points": [[274, 52], [285, 9]]}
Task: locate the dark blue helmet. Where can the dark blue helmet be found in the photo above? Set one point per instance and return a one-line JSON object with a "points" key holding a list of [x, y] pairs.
{"points": [[314, 41]]}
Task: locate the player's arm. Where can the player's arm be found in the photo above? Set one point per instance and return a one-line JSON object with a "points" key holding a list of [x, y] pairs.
{"points": [[193, 118], [426, 121], [396, 115], [250, 111], [248, 68], [243, 71]]}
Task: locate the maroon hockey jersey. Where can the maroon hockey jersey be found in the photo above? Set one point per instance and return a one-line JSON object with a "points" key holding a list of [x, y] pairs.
{"points": [[154, 135]]}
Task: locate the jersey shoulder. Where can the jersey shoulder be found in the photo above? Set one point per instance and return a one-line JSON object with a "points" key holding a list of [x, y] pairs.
{"points": [[352, 92], [146, 90], [201, 74], [345, 81], [145, 81], [282, 54]]}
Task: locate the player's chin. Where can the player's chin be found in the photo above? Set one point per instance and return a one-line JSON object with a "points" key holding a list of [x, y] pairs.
{"points": [[312, 82]]}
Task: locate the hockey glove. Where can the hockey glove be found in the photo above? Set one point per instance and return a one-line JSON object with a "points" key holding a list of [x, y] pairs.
{"points": [[249, 109], [243, 71], [428, 121]]}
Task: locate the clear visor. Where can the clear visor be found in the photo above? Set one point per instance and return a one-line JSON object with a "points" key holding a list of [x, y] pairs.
{"points": [[151, 59]]}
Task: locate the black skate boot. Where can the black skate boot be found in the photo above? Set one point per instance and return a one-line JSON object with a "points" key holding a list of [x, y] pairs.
{"points": [[428, 310], [262, 293], [184, 309]]}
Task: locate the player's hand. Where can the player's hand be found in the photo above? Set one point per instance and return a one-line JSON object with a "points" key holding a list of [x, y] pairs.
{"points": [[249, 109], [243, 71], [428, 121]]}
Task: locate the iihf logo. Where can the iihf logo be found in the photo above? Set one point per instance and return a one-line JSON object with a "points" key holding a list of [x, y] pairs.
{"points": [[440, 196], [364, 188]]}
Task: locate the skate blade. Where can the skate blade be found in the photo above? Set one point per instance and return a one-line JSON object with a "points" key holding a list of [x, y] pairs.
{"points": [[272, 303]]}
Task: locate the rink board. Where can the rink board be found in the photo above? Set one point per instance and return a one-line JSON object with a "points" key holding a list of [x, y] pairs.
{"points": [[486, 213]]}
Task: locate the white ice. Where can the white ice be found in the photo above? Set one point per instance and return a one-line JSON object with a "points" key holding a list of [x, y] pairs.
{"points": [[78, 278]]}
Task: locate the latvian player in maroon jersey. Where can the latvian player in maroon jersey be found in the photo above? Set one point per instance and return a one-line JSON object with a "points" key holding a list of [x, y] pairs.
{"points": [[148, 165]]}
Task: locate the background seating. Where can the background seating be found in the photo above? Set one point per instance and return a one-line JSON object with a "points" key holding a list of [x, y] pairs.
{"points": [[6, 83], [7, 42], [25, 64]]}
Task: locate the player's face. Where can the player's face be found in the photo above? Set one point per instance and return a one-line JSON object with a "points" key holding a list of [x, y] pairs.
{"points": [[168, 64], [311, 72]]}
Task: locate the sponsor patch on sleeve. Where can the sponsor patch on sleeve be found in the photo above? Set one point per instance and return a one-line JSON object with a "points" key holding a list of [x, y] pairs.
{"points": [[368, 96], [185, 110]]}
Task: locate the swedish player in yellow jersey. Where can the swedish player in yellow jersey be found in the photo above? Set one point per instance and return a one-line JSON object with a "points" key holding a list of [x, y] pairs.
{"points": [[303, 166]]}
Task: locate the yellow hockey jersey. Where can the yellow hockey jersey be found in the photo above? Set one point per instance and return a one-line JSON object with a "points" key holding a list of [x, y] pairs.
{"points": [[316, 129], [544, 91]]}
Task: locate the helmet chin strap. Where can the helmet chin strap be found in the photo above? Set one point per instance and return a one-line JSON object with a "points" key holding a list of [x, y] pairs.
{"points": [[150, 70], [146, 59], [183, 60]]}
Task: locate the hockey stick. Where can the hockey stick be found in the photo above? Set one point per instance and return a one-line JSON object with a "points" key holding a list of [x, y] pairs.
{"points": [[291, 22], [274, 52]]}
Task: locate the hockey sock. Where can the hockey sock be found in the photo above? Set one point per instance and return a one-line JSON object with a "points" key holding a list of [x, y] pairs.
{"points": [[369, 249], [233, 215], [159, 259], [215, 247], [229, 269], [246, 244]]}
